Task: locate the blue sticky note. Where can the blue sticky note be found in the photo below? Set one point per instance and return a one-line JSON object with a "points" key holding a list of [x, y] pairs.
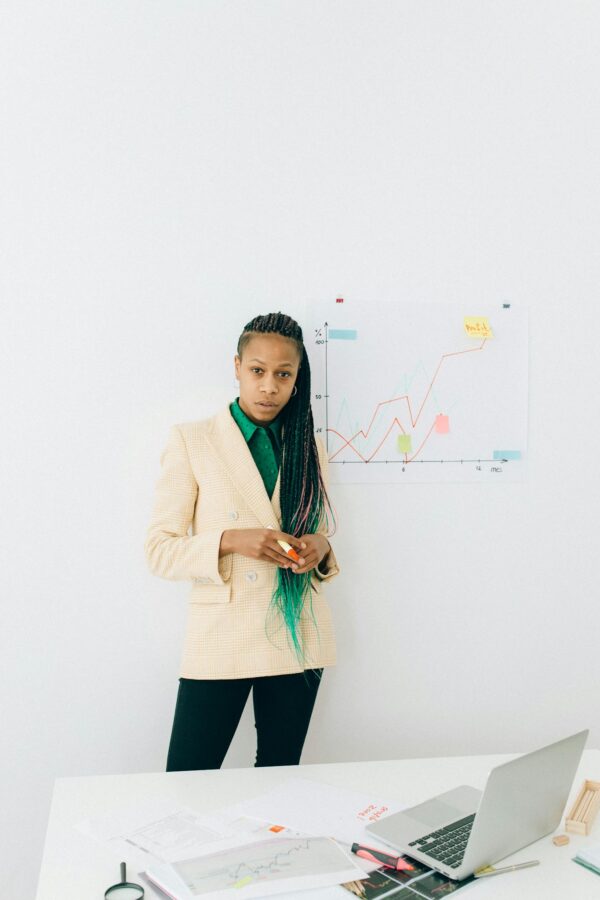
{"points": [[342, 334]]}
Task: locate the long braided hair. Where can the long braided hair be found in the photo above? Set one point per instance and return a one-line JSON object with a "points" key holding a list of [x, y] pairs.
{"points": [[304, 501]]}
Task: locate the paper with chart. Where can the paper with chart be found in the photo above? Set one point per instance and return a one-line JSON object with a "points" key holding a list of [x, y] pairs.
{"points": [[258, 869], [420, 392]]}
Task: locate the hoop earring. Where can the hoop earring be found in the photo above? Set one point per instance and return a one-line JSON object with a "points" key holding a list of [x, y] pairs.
{"points": [[295, 391]]}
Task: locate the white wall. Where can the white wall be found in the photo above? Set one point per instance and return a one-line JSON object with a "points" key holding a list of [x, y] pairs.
{"points": [[170, 170]]}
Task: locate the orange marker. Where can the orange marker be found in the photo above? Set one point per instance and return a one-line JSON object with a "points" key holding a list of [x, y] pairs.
{"points": [[289, 550]]}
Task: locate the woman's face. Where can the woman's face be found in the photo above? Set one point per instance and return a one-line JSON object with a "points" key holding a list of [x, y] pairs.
{"points": [[267, 373]]}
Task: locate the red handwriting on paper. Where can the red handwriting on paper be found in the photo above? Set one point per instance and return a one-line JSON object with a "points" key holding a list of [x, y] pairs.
{"points": [[371, 813]]}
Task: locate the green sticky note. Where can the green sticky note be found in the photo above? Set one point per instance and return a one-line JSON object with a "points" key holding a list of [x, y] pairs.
{"points": [[404, 443]]}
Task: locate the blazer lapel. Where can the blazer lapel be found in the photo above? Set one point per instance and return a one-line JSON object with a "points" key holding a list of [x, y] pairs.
{"points": [[230, 448], [275, 504]]}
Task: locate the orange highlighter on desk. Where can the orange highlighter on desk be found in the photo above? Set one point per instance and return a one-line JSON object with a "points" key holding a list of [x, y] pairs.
{"points": [[390, 862]]}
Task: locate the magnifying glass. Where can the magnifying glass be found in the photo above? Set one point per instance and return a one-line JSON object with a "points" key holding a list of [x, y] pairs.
{"points": [[124, 890]]}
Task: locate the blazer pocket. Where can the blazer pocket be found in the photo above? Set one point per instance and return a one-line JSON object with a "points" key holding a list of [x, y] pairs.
{"points": [[211, 593], [315, 583]]}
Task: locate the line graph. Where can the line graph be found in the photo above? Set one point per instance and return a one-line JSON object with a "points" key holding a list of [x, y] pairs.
{"points": [[466, 404], [258, 866], [413, 419]]}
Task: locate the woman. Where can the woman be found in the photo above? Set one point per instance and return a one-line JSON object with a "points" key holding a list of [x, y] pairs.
{"points": [[244, 479]]}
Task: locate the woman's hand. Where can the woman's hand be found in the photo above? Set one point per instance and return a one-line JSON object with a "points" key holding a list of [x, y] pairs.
{"points": [[261, 543], [313, 548]]}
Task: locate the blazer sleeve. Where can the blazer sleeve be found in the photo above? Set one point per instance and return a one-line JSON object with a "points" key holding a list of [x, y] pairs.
{"points": [[328, 568], [170, 551]]}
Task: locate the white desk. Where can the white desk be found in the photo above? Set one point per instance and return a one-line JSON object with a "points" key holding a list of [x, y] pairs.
{"points": [[75, 866]]}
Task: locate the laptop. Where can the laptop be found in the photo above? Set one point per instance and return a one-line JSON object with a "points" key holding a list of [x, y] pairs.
{"points": [[463, 830]]}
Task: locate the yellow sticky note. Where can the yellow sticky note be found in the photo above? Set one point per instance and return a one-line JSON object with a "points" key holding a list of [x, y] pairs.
{"points": [[243, 882], [404, 443], [478, 327]]}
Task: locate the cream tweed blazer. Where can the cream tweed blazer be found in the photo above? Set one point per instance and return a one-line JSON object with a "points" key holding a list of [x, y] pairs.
{"points": [[209, 482]]}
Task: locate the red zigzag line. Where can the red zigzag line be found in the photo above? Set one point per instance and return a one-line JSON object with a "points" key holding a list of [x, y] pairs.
{"points": [[348, 441]]}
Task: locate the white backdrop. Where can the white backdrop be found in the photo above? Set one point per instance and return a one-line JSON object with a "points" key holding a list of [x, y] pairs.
{"points": [[170, 170]]}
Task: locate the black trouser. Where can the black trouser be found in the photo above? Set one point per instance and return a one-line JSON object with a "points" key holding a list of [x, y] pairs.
{"points": [[208, 712]]}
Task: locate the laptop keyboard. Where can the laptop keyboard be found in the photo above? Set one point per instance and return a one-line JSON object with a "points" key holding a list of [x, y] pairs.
{"points": [[448, 844]]}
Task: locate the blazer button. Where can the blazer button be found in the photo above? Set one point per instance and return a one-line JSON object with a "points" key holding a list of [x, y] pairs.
{"points": [[251, 576], [234, 514]]}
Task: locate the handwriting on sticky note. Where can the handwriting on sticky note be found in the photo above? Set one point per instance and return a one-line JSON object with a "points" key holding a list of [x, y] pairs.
{"points": [[478, 327], [371, 813]]}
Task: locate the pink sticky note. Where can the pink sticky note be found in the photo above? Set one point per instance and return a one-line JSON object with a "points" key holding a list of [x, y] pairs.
{"points": [[442, 424]]}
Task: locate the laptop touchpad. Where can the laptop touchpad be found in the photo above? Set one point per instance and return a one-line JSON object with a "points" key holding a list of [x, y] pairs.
{"points": [[434, 813]]}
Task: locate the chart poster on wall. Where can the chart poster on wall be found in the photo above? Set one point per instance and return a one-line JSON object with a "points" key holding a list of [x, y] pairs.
{"points": [[419, 392]]}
